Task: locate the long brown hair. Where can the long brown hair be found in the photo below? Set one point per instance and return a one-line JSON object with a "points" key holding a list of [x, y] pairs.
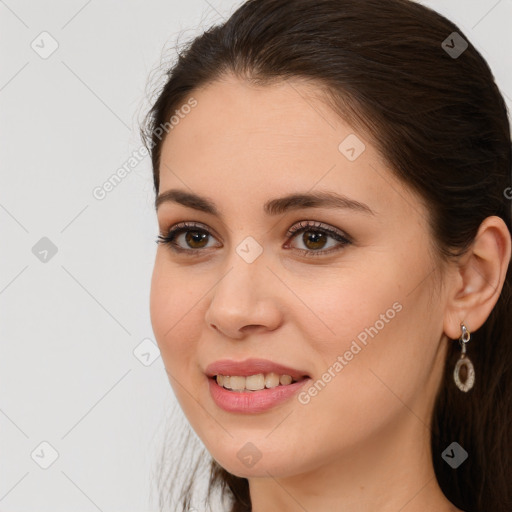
{"points": [[441, 124]]}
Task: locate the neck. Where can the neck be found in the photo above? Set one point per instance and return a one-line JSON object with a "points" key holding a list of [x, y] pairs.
{"points": [[391, 473]]}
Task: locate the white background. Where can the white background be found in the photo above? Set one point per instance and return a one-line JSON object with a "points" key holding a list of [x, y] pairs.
{"points": [[69, 326]]}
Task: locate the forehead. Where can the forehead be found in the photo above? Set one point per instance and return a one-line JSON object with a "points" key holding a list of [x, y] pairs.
{"points": [[282, 116], [246, 143]]}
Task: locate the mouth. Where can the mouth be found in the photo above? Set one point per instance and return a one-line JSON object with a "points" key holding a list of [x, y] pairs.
{"points": [[256, 393], [253, 385], [253, 374], [255, 382]]}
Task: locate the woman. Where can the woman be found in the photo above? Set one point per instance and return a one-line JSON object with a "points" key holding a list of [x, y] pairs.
{"points": [[331, 290]]}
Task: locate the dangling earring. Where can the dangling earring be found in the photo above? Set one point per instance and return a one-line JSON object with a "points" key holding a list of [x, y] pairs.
{"points": [[464, 361]]}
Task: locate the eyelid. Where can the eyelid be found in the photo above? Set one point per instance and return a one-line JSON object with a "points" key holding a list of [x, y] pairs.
{"points": [[189, 226], [308, 224]]}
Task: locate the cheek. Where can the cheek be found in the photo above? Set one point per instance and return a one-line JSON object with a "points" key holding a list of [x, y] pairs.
{"points": [[359, 327], [345, 304], [173, 310]]}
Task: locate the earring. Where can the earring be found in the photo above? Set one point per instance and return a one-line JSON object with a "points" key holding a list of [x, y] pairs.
{"points": [[464, 361]]}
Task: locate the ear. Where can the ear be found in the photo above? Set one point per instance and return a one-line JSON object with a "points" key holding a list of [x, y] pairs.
{"points": [[478, 278]]}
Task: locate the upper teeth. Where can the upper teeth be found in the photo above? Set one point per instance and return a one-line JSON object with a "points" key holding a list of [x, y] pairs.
{"points": [[253, 382]]}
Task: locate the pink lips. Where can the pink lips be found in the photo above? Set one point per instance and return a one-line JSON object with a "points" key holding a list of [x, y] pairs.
{"points": [[250, 402]]}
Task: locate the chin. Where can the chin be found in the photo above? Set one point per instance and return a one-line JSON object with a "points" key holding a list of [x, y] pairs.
{"points": [[249, 462]]}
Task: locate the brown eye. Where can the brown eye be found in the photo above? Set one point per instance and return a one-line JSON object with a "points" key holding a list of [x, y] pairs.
{"points": [[192, 239], [314, 239], [186, 238], [196, 239]]}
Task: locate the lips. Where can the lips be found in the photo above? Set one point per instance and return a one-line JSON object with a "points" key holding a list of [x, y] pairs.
{"points": [[252, 367], [233, 398]]}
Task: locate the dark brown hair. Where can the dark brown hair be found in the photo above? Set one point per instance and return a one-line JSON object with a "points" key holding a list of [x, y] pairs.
{"points": [[441, 124]]}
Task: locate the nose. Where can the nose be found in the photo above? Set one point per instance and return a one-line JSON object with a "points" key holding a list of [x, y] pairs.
{"points": [[245, 300]]}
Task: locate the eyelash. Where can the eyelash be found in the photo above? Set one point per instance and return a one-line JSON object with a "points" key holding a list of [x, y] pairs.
{"points": [[315, 227]]}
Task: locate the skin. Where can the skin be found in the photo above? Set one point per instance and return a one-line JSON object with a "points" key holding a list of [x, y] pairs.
{"points": [[363, 442]]}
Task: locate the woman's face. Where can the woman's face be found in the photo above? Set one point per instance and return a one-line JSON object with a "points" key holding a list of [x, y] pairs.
{"points": [[360, 317]]}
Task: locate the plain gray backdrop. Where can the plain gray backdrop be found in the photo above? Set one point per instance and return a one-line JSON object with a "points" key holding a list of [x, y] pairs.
{"points": [[84, 398]]}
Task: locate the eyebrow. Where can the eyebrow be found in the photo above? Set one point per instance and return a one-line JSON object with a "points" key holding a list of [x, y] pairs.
{"points": [[296, 201]]}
